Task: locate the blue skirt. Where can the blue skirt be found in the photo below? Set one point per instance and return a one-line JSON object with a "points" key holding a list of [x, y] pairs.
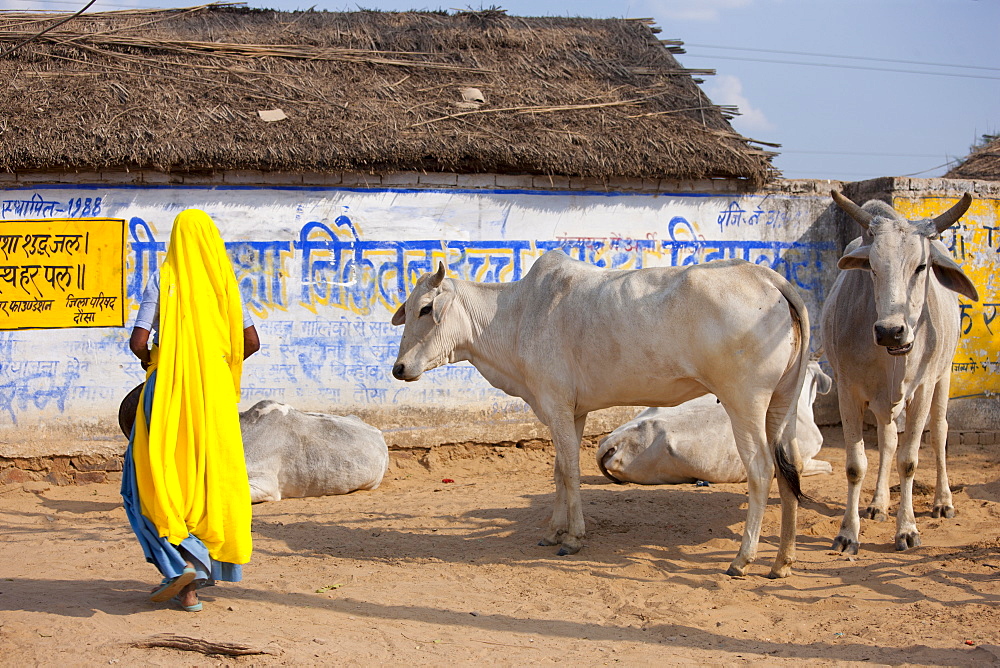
{"points": [[168, 558]]}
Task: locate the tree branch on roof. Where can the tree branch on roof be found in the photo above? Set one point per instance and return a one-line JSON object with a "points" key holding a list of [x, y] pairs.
{"points": [[541, 110]]}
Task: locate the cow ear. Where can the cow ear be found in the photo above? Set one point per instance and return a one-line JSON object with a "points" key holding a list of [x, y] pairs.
{"points": [[399, 317], [951, 275], [441, 304], [823, 383], [856, 259]]}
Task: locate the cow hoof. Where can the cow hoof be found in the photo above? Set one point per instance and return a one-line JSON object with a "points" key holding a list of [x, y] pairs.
{"points": [[778, 573], [545, 542], [873, 513], [565, 550], [905, 541], [943, 511], [845, 545], [735, 572]]}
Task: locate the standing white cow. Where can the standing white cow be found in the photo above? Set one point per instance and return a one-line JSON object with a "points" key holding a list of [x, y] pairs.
{"points": [[570, 338], [293, 454], [890, 332], [694, 441]]}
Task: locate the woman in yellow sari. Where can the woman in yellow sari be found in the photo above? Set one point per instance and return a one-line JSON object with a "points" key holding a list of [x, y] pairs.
{"points": [[184, 481]]}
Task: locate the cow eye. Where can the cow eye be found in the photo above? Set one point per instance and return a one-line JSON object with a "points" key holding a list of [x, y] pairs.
{"points": [[426, 309], [920, 268]]}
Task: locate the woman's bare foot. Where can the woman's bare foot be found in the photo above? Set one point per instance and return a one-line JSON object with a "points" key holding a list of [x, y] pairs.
{"points": [[188, 596]]}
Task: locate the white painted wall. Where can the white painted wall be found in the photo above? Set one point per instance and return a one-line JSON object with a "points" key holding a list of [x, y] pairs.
{"points": [[322, 269]]}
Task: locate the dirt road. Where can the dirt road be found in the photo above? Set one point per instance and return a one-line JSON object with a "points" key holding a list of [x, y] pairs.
{"points": [[426, 572]]}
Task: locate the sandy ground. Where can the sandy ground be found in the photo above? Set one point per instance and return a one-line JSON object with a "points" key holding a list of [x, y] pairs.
{"points": [[426, 572]]}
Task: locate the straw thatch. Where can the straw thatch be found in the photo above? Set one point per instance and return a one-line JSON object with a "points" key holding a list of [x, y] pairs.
{"points": [[180, 91], [983, 163]]}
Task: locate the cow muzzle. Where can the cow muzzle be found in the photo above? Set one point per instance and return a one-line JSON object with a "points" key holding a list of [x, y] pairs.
{"points": [[893, 338], [399, 372]]}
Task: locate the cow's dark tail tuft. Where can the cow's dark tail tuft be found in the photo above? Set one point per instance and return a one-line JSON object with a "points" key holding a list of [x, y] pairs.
{"points": [[787, 470]]}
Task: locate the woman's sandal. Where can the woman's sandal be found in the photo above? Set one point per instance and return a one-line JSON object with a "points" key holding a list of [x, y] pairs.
{"points": [[170, 587], [189, 608]]}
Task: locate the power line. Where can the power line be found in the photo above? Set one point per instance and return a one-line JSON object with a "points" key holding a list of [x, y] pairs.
{"points": [[924, 171], [870, 153], [831, 55], [850, 67], [866, 175], [837, 175]]}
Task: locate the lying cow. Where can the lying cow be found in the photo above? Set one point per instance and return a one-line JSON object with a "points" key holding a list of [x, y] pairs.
{"points": [[570, 338], [289, 453], [890, 330], [694, 441]]}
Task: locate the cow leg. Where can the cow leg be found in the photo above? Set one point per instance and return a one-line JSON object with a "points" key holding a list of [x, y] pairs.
{"points": [[907, 535], [780, 403], [857, 466], [943, 506], [816, 467], [888, 439], [566, 527], [751, 442], [559, 522], [782, 566], [264, 487]]}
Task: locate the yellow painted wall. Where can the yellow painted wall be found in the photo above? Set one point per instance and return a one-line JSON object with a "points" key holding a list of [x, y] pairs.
{"points": [[975, 244]]}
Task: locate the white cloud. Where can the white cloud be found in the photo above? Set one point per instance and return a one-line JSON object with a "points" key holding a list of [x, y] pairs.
{"points": [[694, 10], [727, 89]]}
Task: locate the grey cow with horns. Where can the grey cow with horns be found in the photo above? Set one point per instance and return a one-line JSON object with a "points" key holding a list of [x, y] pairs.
{"points": [[570, 338], [890, 329]]}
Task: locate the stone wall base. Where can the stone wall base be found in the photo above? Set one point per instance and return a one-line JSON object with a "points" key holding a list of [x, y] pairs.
{"points": [[60, 469], [84, 469]]}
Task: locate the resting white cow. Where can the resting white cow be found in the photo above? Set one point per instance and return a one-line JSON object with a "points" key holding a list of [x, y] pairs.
{"points": [[292, 454], [890, 331], [570, 338], [694, 441]]}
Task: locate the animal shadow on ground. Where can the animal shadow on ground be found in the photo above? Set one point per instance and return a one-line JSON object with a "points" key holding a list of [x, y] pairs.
{"points": [[986, 492], [905, 577], [124, 597], [112, 597], [79, 507], [622, 521]]}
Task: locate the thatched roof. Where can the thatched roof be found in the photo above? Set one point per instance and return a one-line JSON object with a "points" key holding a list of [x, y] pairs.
{"points": [[983, 163], [180, 90]]}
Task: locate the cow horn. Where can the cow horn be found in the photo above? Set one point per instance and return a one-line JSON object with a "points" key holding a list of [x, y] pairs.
{"points": [[439, 276], [852, 209], [951, 216], [605, 471]]}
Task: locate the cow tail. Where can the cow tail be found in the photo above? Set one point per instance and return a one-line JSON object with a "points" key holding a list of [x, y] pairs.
{"points": [[790, 472], [786, 454]]}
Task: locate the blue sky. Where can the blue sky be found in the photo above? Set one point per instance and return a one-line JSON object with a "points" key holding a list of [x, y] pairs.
{"points": [[851, 89]]}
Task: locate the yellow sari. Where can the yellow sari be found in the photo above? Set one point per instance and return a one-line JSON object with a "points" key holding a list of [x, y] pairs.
{"points": [[190, 470]]}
